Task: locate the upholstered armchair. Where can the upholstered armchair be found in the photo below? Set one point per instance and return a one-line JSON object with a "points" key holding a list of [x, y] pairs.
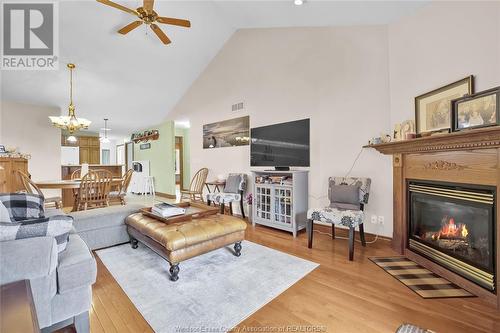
{"points": [[347, 196], [236, 184]]}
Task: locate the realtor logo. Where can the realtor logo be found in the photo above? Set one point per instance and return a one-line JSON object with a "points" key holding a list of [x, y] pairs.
{"points": [[30, 36]]}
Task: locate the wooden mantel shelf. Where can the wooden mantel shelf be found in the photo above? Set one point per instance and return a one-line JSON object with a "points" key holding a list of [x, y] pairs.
{"points": [[465, 140]]}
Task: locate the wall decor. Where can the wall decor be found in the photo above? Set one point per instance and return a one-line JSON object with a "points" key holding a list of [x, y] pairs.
{"points": [[407, 130], [433, 109], [227, 133], [396, 135], [478, 110], [144, 146], [145, 136], [2, 149]]}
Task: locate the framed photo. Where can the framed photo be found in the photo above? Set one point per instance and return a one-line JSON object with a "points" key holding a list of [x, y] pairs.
{"points": [[227, 133], [433, 109], [2, 149], [478, 110], [407, 127]]}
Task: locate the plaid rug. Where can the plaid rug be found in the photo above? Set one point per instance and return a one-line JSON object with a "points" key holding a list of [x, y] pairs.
{"points": [[419, 279]]}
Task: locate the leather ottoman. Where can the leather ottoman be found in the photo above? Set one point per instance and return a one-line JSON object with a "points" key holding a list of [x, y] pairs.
{"points": [[184, 240]]}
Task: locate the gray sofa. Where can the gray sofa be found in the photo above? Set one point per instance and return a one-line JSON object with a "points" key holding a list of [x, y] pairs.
{"points": [[62, 283]]}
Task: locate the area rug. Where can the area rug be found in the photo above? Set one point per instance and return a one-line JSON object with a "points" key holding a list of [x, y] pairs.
{"points": [[419, 279], [215, 291]]}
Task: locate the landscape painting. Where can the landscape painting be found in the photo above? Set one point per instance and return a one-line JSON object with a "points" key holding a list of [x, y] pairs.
{"points": [[227, 133]]}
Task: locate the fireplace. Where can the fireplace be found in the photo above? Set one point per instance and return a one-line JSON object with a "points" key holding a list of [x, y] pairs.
{"points": [[453, 225]]}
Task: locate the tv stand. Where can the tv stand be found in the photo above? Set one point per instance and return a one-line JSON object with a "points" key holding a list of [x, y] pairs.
{"points": [[280, 199], [282, 168]]}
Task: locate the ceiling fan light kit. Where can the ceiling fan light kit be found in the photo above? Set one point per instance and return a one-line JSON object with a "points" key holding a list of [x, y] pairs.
{"points": [[148, 16]]}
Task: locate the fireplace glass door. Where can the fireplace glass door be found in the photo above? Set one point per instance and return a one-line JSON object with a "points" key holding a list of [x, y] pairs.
{"points": [[453, 225]]}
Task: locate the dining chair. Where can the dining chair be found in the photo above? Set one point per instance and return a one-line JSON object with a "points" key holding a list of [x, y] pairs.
{"points": [[195, 192], [119, 196], [31, 188], [94, 190]]}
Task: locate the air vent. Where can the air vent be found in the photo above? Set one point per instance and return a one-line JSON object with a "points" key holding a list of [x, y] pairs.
{"points": [[237, 106]]}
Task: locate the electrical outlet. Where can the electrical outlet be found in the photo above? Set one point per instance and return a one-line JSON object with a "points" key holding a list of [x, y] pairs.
{"points": [[374, 219], [380, 220]]}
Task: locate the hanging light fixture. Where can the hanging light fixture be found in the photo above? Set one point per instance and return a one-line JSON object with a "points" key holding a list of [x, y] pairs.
{"points": [[70, 122], [105, 138]]}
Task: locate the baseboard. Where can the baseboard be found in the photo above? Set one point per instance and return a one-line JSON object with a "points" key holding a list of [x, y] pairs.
{"points": [[166, 195]]}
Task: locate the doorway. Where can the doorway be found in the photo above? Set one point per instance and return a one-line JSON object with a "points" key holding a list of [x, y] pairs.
{"points": [[179, 162]]}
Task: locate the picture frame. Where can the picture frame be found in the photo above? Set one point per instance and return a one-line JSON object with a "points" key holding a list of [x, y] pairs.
{"points": [[476, 111], [227, 133], [2, 149], [407, 127], [433, 109]]}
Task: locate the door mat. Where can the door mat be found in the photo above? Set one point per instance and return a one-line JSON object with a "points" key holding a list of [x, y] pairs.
{"points": [[419, 279]]}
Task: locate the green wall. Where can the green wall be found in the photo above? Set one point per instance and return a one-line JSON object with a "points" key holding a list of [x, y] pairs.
{"points": [[184, 132], [161, 157]]}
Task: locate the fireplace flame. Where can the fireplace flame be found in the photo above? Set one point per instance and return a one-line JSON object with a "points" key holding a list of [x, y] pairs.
{"points": [[450, 229]]}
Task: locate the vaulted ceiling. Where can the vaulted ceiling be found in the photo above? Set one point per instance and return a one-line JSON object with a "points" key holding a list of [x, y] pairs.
{"points": [[135, 80]]}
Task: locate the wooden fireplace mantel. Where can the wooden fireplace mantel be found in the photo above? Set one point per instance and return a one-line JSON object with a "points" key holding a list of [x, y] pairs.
{"points": [[472, 139], [467, 157]]}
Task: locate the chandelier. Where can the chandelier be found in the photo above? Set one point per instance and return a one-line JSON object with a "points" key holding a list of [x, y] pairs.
{"points": [[70, 122]]}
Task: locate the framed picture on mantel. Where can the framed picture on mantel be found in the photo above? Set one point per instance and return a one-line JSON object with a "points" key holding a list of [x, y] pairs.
{"points": [[433, 109]]}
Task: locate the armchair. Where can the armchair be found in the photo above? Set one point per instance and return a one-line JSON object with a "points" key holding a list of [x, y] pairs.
{"points": [[346, 209]]}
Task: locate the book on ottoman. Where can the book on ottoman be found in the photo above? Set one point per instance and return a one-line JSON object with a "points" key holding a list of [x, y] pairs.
{"points": [[166, 210]]}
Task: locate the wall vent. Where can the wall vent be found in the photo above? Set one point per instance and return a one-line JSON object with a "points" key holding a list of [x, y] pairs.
{"points": [[237, 106]]}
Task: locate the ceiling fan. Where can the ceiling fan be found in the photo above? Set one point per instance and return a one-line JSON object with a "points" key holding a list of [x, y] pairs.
{"points": [[148, 16]]}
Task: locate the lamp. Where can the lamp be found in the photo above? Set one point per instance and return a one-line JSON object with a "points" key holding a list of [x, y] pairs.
{"points": [[70, 122]]}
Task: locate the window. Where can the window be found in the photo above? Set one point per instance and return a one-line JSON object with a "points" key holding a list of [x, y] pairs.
{"points": [[105, 156]]}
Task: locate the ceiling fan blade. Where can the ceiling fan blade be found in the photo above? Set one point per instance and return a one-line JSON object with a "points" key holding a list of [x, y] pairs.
{"points": [[174, 21], [129, 27], [165, 40], [120, 7], [148, 5]]}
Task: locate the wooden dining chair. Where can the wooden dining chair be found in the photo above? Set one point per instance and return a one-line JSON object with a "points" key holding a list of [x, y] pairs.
{"points": [[195, 192], [119, 196], [94, 190], [30, 187]]}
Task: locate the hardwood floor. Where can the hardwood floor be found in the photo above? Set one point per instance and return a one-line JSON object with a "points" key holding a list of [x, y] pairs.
{"points": [[339, 295]]}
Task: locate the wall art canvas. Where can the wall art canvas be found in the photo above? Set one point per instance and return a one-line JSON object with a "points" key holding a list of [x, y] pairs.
{"points": [[478, 110], [227, 133], [433, 109]]}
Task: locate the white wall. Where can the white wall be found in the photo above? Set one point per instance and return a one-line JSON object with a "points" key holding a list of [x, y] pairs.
{"points": [[337, 77], [442, 43], [28, 128]]}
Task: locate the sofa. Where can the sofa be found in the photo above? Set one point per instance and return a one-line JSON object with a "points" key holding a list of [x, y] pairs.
{"points": [[61, 283]]}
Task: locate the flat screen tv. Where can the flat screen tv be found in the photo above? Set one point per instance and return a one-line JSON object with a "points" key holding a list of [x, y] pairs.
{"points": [[281, 145]]}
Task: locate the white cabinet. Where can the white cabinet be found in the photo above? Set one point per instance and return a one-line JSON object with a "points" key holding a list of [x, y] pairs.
{"points": [[280, 199]]}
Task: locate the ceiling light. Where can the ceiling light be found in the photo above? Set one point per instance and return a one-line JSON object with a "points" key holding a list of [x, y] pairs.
{"points": [[298, 2], [105, 138], [71, 138], [70, 122]]}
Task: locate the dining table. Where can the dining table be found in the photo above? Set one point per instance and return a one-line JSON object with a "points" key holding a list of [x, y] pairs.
{"points": [[69, 184]]}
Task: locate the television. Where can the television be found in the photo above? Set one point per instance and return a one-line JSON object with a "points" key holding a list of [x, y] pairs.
{"points": [[281, 145]]}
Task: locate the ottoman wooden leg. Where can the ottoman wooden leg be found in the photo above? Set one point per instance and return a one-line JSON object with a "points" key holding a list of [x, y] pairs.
{"points": [[237, 249], [174, 272], [134, 243]]}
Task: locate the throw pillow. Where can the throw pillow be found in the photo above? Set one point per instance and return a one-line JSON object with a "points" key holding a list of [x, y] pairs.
{"points": [[344, 196], [232, 183], [23, 206], [58, 226], [4, 213]]}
